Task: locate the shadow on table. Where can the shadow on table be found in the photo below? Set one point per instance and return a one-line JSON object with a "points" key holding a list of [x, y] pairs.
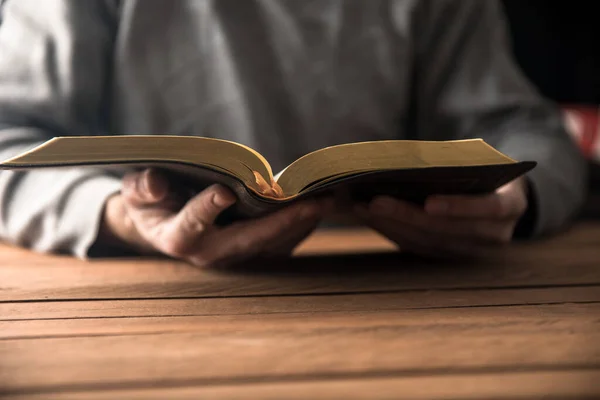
{"points": [[563, 260], [354, 267]]}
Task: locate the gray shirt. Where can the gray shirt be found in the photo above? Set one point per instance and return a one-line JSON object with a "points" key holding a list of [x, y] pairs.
{"points": [[283, 76]]}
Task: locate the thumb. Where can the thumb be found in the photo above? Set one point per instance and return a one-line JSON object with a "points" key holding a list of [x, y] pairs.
{"points": [[182, 232], [203, 209], [145, 188]]}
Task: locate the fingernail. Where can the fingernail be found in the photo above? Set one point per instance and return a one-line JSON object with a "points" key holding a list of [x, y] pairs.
{"points": [[154, 185], [222, 201], [436, 206], [382, 206], [142, 185]]}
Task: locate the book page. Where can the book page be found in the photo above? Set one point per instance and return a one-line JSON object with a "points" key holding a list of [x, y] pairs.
{"points": [[219, 155], [343, 160]]}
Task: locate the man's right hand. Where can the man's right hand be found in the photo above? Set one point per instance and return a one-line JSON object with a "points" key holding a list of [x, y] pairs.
{"points": [[148, 217]]}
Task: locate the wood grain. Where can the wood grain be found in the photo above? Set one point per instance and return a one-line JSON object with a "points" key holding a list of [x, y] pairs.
{"points": [[563, 385], [577, 317], [24, 276], [288, 346], [296, 304], [348, 317], [350, 240]]}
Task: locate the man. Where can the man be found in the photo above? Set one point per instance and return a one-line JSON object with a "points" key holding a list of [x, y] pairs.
{"points": [[285, 77]]}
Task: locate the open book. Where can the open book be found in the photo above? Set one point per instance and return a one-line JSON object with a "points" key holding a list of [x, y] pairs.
{"points": [[410, 170]]}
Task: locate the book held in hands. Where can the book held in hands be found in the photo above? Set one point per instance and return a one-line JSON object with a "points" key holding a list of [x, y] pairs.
{"points": [[411, 170]]}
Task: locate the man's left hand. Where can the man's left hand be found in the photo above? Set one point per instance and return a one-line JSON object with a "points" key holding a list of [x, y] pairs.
{"points": [[449, 225]]}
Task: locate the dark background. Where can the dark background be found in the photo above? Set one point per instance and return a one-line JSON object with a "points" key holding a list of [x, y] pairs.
{"points": [[558, 46]]}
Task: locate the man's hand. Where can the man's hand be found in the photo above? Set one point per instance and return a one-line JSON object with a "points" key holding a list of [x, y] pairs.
{"points": [[147, 216], [449, 225]]}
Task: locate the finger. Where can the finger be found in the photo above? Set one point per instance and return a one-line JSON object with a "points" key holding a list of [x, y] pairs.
{"points": [[415, 240], [145, 188], [404, 240], [507, 202], [246, 239], [205, 207], [485, 231], [147, 205], [491, 206], [182, 233]]}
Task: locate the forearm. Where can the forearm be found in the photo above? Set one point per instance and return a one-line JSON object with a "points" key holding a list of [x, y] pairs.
{"points": [[55, 210], [469, 86], [53, 76], [558, 183]]}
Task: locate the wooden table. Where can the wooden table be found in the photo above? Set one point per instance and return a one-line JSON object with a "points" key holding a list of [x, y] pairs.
{"points": [[522, 323]]}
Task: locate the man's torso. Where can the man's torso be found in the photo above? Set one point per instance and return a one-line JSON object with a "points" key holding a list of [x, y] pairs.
{"points": [[284, 77]]}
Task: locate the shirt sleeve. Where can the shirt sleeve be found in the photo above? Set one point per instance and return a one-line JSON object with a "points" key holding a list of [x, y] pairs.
{"points": [[468, 85], [53, 70]]}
